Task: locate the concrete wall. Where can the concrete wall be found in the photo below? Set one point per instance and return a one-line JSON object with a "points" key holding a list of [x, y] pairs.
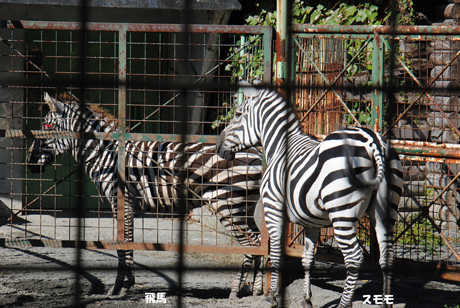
{"points": [[11, 112]]}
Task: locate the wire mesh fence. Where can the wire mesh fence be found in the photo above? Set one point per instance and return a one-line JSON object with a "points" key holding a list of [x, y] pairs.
{"points": [[153, 82], [132, 79], [403, 84], [93, 119]]}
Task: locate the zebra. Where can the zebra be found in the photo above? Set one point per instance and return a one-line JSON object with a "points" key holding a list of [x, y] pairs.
{"points": [[316, 184], [152, 168]]}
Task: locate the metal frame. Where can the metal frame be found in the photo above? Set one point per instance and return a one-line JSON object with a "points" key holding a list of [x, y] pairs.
{"points": [[409, 150], [123, 135]]}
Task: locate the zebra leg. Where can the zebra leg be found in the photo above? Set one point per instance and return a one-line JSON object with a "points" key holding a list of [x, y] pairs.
{"points": [[384, 231], [129, 273], [384, 216], [258, 284], [386, 264], [311, 236], [353, 257], [125, 274], [274, 230], [240, 279]]}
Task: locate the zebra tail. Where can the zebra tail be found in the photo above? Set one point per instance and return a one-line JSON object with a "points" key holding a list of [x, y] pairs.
{"points": [[373, 184]]}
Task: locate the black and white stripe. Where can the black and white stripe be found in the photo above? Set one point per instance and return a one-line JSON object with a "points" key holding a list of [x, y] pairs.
{"points": [[336, 181], [231, 190]]}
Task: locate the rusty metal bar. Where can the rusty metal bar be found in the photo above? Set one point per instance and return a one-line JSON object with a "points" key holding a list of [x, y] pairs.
{"points": [[429, 159], [423, 148], [377, 82], [100, 26], [95, 245], [420, 32], [291, 242], [41, 134], [13, 215], [122, 40]]}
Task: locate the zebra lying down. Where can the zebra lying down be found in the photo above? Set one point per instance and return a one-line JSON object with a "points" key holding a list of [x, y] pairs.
{"points": [[152, 168], [336, 181]]}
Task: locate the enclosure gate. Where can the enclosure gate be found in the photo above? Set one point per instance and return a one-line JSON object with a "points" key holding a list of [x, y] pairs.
{"points": [[134, 72], [402, 82]]}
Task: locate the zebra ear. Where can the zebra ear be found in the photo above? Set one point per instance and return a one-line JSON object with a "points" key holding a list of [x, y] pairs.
{"points": [[248, 89], [257, 81], [54, 104]]}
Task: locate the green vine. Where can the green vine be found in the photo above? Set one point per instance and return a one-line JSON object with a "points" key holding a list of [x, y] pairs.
{"points": [[302, 13]]}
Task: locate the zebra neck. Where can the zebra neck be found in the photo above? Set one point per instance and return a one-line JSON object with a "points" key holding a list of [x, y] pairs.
{"points": [[86, 151], [282, 127]]}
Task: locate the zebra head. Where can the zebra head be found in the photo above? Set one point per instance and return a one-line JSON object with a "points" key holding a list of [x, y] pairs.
{"points": [[43, 151], [243, 131]]}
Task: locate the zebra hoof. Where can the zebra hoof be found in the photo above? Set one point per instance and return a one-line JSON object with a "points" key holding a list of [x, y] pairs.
{"points": [[114, 290], [257, 293], [120, 289], [270, 302], [305, 304], [125, 288], [233, 295]]}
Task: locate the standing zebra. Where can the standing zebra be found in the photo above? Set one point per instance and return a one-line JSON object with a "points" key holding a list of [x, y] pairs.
{"points": [[336, 181], [152, 168]]}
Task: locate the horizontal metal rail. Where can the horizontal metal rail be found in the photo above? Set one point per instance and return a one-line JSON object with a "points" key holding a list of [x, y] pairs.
{"points": [[41, 134], [417, 32], [403, 147], [94, 245], [96, 26]]}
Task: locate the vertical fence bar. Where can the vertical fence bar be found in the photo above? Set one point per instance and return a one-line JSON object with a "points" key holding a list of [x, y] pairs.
{"points": [[377, 82], [267, 41], [376, 116], [122, 60]]}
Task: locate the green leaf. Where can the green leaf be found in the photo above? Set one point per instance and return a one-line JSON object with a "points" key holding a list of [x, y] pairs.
{"points": [[349, 11], [315, 16]]}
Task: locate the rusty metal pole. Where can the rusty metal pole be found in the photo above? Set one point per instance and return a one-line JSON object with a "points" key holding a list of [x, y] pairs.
{"points": [[280, 43], [122, 40], [283, 82], [376, 113]]}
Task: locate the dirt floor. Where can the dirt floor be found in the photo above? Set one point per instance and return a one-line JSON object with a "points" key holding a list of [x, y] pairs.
{"points": [[43, 277]]}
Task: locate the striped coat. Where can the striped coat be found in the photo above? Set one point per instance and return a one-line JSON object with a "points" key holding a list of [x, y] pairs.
{"points": [[318, 184], [153, 172]]}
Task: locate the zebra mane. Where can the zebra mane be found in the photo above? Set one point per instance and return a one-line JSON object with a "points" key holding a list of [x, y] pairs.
{"points": [[98, 111], [291, 105]]}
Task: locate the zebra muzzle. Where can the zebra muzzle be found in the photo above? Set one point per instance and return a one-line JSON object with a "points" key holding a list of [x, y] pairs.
{"points": [[222, 150], [36, 162], [226, 154]]}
